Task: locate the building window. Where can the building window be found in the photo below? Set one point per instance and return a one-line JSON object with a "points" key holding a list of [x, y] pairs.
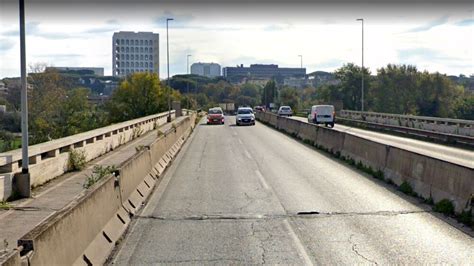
{"points": [[151, 49], [136, 42], [117, 42], [126, 49], [126, 56], [146, 64], [122, 41], [146, 57], [141, 64], [132, 57], [146, 42], [141, 42], [151, 57], [127, 42], [141, 57], [117, 57], [122, 49], [141, 49], [146, 49]]}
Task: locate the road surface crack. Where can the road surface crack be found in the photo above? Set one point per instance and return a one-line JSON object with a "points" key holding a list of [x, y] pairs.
{"points": [[299, 215], [356, 251]]}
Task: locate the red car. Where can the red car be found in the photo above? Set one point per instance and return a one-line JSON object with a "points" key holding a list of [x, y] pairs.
{"points": [[215, 116]]}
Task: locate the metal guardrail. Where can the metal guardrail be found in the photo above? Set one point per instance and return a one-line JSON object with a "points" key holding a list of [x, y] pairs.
{"points": [[439, 125]]}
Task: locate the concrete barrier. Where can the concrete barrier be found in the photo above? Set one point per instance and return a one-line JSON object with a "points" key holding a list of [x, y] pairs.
{"points": [[429, 177], [10, 258], [86, 230], [50, 159], [368, 152], [63, 237]]}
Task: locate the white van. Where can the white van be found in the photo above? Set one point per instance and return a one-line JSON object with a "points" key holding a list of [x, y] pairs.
{"points": [[322, 114]]}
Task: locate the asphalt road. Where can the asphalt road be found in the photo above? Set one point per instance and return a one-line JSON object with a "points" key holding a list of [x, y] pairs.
{"points": [[237, 195], [443, 152]]}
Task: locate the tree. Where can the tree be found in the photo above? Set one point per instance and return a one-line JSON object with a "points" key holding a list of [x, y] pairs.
{"points": [[269, 93], [350, 76], [139, 95], [289, 96]]}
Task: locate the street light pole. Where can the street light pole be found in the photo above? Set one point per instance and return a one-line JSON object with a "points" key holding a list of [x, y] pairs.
{"points": [[187, 70], [301, 60], [168, 66], [24, 179], [362, 98]]}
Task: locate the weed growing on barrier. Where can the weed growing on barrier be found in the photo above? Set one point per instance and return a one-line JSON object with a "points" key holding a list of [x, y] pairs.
{"points": [[139, 148], [4, 205], [98, 172], [444, 206], [406, 188], [77, 160], [465, 217]]}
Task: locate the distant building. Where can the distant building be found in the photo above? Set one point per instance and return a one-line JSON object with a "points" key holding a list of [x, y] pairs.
{"points": [[258, 71], [298, 82], [206, 69], [135, 52], [98, 71]]}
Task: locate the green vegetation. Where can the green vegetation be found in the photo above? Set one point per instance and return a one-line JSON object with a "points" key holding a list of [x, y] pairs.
{"points": [[406, 188], [4, 205], [444, 206], [98, 172], [77, 160]]}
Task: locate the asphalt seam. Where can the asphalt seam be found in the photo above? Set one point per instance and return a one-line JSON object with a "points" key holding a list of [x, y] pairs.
{"points": [[304, 215]]}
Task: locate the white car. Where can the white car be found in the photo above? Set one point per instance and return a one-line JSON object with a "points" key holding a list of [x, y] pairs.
{"points": [[322, 114], [245, 116], [285, 111]]}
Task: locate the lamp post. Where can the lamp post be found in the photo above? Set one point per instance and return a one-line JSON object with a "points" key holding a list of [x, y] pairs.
{"points": [[23, 181], [187, 83], [362, 96], [301, 61], [168, 66]]}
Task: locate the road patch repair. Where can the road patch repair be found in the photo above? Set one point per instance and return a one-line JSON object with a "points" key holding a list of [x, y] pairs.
{"points": [[101, 213]]}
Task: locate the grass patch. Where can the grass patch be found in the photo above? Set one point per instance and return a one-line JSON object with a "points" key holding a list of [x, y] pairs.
{"points": [[98, 172], [406, 188], [465, 217]]}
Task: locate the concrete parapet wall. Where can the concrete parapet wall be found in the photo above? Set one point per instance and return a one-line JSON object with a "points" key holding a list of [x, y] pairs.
{"points": [[50, 159], [435, 124], [87, 229], [429, 177]]}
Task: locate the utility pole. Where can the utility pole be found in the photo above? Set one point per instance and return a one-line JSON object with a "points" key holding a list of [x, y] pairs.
{"points": [[362, 98], [168, 66], [23, 180], [187, 69]]}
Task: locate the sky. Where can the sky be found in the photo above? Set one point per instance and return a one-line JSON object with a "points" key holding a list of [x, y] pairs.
{"points": [[431, 35]]}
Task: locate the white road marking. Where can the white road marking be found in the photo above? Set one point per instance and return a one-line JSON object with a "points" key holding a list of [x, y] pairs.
{"points": [[240, 141], [247, 154], [262, 180], [299, 245]]}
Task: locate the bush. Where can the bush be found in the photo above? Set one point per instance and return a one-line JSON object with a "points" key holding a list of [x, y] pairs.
{"points": [[406, 188], [77, 160], [465, 217], [98, 172], [444, 206]]}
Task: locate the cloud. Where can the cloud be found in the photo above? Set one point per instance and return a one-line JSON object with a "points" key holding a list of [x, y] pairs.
{"points": [[278, 27], [6, 44], [332, 63], [423, 54], [110, 26], [466, 22], [32, 28], [430, 25], [179, 21]]}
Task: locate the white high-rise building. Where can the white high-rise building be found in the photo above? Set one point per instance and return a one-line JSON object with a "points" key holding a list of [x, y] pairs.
{"points": [[135, 52], [206, 69]]}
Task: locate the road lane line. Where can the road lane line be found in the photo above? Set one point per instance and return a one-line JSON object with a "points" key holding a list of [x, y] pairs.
{"points": [[248, 154], [299, 246], [262, 180]]}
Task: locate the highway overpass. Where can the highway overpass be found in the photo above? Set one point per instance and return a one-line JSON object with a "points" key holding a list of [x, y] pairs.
{"points": [[254, 195]]}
